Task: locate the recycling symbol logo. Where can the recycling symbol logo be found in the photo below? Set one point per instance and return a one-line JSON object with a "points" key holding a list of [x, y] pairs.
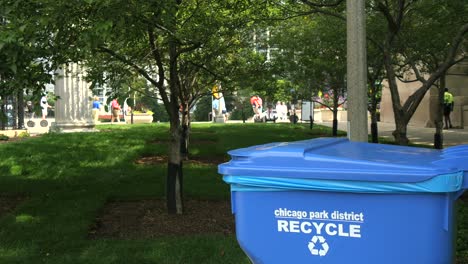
{"points": [[318, 246]]}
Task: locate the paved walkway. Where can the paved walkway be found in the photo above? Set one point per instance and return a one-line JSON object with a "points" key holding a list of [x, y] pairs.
{"points": [[420, 135]]}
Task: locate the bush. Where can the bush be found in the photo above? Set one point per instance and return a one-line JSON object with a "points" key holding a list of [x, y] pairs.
{"points": [[4, 137], [160, 113], [24, 134], [202, 109], [237, 112]]}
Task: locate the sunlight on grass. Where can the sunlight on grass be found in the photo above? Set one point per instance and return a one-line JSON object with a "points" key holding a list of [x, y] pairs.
{"points": [[16, 170], [68, 177], [8, 253], [24, 218]]}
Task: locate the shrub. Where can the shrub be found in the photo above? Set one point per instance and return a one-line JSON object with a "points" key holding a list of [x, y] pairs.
{"points": [[202, 109], [4, 137], [24, 134]]}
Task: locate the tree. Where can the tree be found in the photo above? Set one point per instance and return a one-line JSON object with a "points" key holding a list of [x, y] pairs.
{"points": [[409, 33], [24, 68], [177, 46], [315, 61], [402, 46]]}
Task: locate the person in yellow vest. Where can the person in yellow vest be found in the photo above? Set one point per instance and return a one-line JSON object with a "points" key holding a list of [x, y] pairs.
{"points": [[448, 108]]}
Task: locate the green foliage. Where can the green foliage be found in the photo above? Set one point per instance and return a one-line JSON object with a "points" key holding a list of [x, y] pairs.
{"points": [[159, 113], [67, 178], [242, 110], [24, 134], [462, 230], [4, 137], [202, 109], [22, 52]]}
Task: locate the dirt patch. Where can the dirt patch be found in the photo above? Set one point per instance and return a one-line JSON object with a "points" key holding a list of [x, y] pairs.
{"points": [[203, 141], [192, 141], [9, 203], [149, 219], [13, 139], [152, 160], [159, 141], [155, 160], [207, 160]]}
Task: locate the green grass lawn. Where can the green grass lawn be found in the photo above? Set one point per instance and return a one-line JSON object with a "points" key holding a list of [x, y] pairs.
{"points": [[67, 178]]}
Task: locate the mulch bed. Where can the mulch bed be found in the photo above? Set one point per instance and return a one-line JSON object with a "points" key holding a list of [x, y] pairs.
{"points": [[149, 219], [192, 141], [13, 139], [9, 203], [154, 160]]}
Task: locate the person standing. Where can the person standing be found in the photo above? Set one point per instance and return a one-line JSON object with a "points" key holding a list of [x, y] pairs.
{"points": [[256, 103], [448, 108], [115, 111], [44, 105], [96, 109]]}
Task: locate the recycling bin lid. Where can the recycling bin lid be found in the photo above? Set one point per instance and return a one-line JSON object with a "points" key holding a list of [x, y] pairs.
{"points": [[344, 160]]}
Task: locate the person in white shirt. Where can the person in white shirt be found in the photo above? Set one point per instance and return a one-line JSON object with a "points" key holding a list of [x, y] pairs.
{"points": [[44, 106]]}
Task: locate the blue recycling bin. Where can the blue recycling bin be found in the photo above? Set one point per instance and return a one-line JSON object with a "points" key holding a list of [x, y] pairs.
{"points": [[329, 200]]}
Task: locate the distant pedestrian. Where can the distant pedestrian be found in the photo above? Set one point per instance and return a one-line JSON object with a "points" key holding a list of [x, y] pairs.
{"points": [[448, 108], [96, 109], [256, 103], [30, 109], [281, 110], [115, 107], [44, 106]]}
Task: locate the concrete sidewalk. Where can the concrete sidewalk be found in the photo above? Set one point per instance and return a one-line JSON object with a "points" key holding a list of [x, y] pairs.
{"points": [[419, 135]]}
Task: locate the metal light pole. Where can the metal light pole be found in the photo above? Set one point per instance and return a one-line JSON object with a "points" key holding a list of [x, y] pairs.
{"points": [[356, 70]]}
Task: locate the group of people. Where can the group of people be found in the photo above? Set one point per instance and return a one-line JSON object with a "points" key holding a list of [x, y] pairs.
{"points": [[257, 107], [282, 111], [219, 107], [115, 110]]}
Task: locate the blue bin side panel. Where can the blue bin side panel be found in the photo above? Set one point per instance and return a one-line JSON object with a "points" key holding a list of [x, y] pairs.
{"points": [[332, 227]]}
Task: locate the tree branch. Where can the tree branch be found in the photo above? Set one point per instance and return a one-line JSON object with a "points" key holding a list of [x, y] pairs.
{"points": [[137, 68], [157, 57], [414, 100], [312, 4]]}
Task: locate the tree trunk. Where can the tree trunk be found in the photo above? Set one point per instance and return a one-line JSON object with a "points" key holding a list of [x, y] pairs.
{"points": [[3, 116], [400, 133], [185, 135], [335, 122], [21, 109], [439, 122], [374, 127], [335, 110], [174, 184], [400, 122], [14, 111], [373, 112]]}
